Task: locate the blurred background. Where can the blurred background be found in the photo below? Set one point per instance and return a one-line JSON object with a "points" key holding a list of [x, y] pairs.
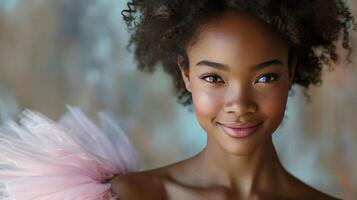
{"points": [[58, 52]]}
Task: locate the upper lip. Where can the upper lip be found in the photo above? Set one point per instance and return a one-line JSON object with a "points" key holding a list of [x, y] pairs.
{"points": [[239, 125]]}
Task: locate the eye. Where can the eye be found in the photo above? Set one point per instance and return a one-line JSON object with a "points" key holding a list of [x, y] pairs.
{"points": [[267, 78], [212, 79]]}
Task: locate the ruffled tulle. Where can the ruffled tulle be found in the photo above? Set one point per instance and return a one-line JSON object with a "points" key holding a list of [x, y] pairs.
{"points": [[67, 160]]}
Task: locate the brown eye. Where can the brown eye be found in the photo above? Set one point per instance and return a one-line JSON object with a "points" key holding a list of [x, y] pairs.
{"points": [[212, 79]]}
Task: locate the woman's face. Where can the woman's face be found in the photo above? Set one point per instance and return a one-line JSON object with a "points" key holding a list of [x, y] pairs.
{"points": [[239, 80]]}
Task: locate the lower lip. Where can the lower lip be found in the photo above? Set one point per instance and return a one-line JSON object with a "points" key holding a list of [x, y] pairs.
{"points": [[239, 132]]}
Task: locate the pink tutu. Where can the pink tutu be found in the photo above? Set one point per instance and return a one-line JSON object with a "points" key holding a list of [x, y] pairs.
{"points": [[67, 160]]}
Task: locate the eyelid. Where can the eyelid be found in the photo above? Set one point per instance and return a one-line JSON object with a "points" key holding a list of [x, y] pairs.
{"points": [[274, 75], [211, 75]]}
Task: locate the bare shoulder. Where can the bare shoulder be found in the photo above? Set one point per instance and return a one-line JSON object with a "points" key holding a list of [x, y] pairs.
{"points": [[305, 191], [148, 185], [312, 193], [316, 194], [139, 185]]}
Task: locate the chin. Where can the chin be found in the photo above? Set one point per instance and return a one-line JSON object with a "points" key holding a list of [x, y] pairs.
{"points": [[240, 149]]}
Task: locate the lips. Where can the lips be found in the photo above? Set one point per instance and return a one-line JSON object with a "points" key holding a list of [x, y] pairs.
{"points": [[239, 130], [239, 125]]}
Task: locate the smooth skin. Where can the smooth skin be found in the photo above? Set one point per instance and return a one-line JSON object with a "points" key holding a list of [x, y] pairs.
{"points": [[238, 72]]}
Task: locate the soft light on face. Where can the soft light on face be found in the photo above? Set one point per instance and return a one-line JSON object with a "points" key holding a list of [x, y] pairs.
{"points": [[238, 73]]}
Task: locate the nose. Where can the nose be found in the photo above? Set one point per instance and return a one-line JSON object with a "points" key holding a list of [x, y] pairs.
{"points": [[239, 102]]}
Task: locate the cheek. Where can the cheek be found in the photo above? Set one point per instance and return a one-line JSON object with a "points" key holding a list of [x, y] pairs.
{"points": [[273, 105], [206, 103]]}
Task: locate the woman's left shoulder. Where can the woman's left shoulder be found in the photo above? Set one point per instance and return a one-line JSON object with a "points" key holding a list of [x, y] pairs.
{"points": [[318, 195], [305, 191]]}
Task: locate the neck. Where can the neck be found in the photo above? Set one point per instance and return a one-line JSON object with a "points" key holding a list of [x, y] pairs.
{"points": [[243, 174]]}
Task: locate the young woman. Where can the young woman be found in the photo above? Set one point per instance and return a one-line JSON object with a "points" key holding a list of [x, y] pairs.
{"points": [[234, 61]]}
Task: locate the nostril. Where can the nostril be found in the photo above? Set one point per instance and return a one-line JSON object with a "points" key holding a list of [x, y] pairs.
{"points": [[241, 109], [253, 109]]}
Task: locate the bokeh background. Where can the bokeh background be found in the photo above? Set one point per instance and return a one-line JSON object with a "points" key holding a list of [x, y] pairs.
{"points": [[58, 52]]}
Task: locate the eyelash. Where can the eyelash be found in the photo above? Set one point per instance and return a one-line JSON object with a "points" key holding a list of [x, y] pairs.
{"points": [[213, 76], [274, 77]]}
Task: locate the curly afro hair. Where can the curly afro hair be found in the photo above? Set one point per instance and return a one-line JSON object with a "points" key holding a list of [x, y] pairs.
{"points": [[161, 30]]}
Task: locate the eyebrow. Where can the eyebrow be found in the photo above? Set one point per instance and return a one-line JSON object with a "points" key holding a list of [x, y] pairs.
{"points": [[225, 67]]}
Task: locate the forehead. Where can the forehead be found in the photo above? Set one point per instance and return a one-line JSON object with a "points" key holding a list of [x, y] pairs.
{"points": [[235, 37]]}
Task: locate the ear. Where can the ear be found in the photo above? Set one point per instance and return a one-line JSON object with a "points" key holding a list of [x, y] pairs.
{"points": [[184, 72], [292, 63], [291, 74]]}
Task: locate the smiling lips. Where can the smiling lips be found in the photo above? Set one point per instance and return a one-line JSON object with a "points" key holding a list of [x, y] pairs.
{"points": [[239, 130]]}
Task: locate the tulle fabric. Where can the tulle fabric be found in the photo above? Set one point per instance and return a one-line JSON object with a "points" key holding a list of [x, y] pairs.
{"points": [[67, 160]]}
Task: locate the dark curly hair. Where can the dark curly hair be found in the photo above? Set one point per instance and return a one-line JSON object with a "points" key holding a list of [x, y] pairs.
{"points": [[161, 30]]}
